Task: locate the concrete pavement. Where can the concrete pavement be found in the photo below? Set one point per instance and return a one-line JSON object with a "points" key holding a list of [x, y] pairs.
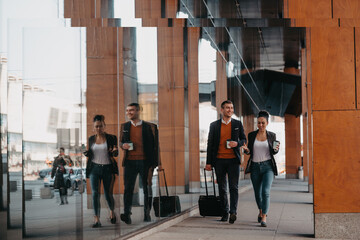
{"points": [[290, 217]]}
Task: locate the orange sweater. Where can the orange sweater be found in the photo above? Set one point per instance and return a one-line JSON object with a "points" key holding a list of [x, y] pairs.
{"points": [[225, 134], [136, 139]]}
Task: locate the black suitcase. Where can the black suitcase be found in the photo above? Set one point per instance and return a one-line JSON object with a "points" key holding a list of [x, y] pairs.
{"points": [[210, 205], [165, 206]]}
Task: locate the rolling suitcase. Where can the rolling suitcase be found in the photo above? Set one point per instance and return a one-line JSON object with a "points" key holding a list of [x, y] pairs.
{"points": [[165, 206], [209, 205]]}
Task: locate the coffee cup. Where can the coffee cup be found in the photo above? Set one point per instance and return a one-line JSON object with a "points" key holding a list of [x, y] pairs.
{"points": [[275, 144], [131, 146], [228, 143]]}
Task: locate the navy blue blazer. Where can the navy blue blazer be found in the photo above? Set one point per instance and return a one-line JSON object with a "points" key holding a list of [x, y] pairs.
{"points": [[150, 138], [271, 137], [237, 135]]}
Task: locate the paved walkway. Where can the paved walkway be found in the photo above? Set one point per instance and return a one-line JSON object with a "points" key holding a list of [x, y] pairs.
{"points": [[290, 217]]}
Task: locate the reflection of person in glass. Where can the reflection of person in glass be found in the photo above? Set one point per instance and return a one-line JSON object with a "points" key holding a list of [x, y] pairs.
{"points": [[139, 140], [101, 167], [58, 171], [261, 164], [226, 136]]}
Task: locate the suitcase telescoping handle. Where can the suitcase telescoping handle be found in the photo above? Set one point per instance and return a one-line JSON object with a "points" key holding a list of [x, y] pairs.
{"points": [[213, 181], [166, 187]]}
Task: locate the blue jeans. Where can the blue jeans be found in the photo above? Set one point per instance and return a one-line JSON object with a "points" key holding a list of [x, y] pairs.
{"points": [[232, 168], [262, 176], [131, 170], [104, 173]]}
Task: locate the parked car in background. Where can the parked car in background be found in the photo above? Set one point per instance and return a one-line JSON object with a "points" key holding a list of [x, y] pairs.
{"points": [[44, 172], [78, 178], [49, 181]]}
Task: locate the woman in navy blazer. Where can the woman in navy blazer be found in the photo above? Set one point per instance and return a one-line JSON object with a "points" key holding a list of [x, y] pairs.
{"points": [[101, 167], [261, 164]]}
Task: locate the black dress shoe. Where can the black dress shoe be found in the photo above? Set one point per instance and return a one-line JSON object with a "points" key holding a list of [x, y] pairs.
{"points": [[113, 220], [259, 219], [96, 225], [125, 218], [147, 218], [224, 218], [232, 218]]}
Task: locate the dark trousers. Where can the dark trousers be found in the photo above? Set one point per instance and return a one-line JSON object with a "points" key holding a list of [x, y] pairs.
{"points": [[232, 168], [131, 169], [102, 173]]}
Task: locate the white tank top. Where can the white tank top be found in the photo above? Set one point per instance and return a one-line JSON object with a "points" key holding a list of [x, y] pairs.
{"points": [[261, 151], [100, 153]]}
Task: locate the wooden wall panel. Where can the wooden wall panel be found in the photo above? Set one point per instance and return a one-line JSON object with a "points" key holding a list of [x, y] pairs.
{"points": [[105, 84], [171, 104], [193, 103], [336, 161], [221, 81], [357, 48], [332, 65], [315, 22], [142, 8], [304, 114], [292, 144], [101, 97], [346, 8], [309, 107], [309, 9], [79, 8], [171, 8]]}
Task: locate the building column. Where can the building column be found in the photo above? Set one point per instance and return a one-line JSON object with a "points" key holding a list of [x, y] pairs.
{"points": [[193, 106], [305, 156], [104, 60], [292, 139], [221, 80], [292, 146], [172, 106]]}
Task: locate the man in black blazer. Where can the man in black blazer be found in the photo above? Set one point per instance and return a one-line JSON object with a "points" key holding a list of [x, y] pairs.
{"points": [[140, 142], [226, 136]]}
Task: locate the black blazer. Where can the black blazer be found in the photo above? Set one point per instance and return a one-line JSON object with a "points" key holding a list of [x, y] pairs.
{"points": [[150, 138], [111, 141], [271, 137], [237, 135]]}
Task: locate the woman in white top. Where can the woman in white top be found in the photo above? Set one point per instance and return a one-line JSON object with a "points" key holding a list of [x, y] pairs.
{"points": [[261, 164], [101, 166]]}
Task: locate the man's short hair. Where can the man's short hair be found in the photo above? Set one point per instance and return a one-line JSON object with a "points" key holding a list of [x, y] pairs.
{"points": [[62, 149], [136, 105], [226, 102]]}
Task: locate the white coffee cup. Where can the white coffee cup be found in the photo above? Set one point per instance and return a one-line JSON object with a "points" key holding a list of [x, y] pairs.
{"points": [[275, 144], [131, 146], [228, 143]]}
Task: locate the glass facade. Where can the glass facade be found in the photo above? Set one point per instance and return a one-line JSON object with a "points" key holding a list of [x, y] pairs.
{"points": [[59, 70]]}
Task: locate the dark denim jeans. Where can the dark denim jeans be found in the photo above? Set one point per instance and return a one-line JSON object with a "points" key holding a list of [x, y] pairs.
{"points": [[104, 173], [262, 176], [232, 168], [131, 170]]}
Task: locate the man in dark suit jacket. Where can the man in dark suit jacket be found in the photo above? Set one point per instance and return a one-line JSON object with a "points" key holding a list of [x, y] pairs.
{"points": [[226, 136], [140, 142]]}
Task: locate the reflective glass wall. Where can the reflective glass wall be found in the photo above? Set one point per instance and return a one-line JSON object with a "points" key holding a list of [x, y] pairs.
{"points": [[64, 63]]}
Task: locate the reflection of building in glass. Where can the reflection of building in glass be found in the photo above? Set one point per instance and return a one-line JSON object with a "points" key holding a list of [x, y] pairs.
{"points": [[148, 99], [48, 127]]}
